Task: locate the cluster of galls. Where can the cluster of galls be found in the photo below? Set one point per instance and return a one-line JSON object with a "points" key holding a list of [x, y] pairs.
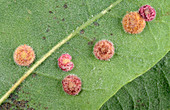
{"points": [[71, 83], [134, 22], [103, 50]]}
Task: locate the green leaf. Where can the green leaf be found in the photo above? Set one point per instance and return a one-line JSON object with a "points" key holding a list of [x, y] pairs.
{"points": [[147, 92], [43, 23]]}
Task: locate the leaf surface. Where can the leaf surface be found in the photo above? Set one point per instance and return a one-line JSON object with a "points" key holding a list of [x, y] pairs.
{"points": [[43, 23]]}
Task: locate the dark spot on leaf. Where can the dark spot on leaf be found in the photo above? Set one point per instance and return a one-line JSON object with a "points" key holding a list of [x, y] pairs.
{"points": [[5, 106], [57, 6], [138, 100], [18, 89], [82, 31], [21, 103], [143, 104], [13, 97], [111, 34], [44, 38], [92, 42], [50, 12], [46, 108], [48, 30], [65, 6], [109, 10], [96, 23], [39, 104], [63, 19], [34, 75], [16, 105], [68, 42]]}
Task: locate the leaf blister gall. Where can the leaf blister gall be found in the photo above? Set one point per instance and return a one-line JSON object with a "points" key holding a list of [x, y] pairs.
{"points": [[147, 12], [71, 84], [24, 55], [133, 23], [103, 50], [64, 62]]}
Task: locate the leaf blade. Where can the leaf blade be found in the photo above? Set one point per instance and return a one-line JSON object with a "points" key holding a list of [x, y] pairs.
{"points": [[96, 75]]}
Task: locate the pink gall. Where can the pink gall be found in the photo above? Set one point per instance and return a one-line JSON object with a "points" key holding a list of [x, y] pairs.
{"points": [[71, 84], [64, 62], [103, 50], [147, 12]]}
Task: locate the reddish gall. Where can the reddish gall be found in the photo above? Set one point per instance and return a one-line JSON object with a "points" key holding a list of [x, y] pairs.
{"points": [[71, 84], [147, 12], [103, 50], [64, 62], [24, 55]]}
